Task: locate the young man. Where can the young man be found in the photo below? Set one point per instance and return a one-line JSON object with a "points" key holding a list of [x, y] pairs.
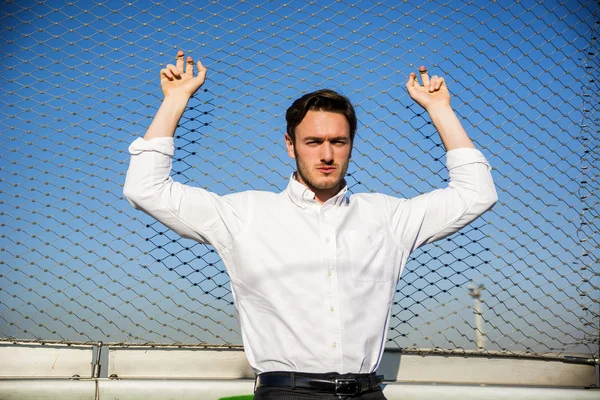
{"points": [[313, 270]]}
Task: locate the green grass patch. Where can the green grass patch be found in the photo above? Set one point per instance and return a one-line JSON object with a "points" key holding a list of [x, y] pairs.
{"points": [[247, 397]]}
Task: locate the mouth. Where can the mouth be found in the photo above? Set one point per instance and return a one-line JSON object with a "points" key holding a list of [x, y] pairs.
{"points": [[326, 169]]}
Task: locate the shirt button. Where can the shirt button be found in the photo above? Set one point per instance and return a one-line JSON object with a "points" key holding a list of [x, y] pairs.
{"points": [[334, 345], [331, 309], [329, 273], [327, 240]]}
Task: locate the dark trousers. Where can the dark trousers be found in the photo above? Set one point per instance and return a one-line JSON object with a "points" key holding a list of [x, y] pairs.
{"points": [[276, 393]]}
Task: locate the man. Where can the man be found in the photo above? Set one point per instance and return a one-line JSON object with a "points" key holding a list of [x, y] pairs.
{"points": [[313, 270]]}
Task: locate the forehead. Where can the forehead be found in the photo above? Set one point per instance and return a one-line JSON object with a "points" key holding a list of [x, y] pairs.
{"points": [[323, 123]]}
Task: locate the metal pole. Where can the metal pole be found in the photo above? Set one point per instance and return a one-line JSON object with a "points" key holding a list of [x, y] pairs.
{"points": [[475, 292]]}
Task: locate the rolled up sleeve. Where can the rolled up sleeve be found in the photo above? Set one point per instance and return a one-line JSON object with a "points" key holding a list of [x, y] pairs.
{"points": [[437, 214], [192, 212]]}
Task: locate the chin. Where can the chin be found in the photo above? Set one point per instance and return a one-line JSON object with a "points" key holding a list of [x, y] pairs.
{"points": [[328, 184]]}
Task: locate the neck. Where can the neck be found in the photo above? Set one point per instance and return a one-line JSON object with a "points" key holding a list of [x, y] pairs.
{"points": [[321, 195]]}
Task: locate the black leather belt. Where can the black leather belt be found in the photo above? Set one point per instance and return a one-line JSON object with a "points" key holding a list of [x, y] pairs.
{"points": [[344, 385]]}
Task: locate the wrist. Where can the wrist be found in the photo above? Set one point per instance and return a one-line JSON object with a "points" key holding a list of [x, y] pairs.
{"points": [[439, 109], [173, 107], [175, 102]]}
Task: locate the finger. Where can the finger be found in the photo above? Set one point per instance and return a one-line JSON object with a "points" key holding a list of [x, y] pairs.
{"points": [[424, 75], [412, 85], [189, 66], [166, 72], [412, 81], [441, 83], [179, 60], [169, 72], [412, 77], [434, 84], [174, 70], [201, 72]]}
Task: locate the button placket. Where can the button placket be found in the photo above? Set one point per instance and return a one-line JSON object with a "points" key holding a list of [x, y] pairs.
{"points": [[331, 300]]}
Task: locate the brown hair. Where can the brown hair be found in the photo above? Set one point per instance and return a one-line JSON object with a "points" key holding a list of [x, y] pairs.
{"points": [[321, 100]]}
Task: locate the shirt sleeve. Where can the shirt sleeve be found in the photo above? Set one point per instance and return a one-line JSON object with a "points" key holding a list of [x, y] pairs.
{"points": [[437, 214], [192, 212]]}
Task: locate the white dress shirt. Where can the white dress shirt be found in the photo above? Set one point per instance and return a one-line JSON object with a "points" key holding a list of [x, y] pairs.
{"points": [[313, 284]]}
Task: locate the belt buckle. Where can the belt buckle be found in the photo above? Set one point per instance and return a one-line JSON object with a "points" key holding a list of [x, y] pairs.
{"points": [[346, 387]]}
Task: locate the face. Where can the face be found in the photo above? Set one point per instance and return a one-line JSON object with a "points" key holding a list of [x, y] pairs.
{"points": [[322, 151]]}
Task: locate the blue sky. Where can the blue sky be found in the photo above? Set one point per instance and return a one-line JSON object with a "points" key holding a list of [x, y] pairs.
{"points": [[80, 83]]}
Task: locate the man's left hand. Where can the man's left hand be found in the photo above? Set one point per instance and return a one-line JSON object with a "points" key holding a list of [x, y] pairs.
{"points": [[433, 93]]}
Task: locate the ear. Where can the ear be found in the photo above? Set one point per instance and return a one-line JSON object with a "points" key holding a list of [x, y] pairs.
{"points": [[289, 145]]}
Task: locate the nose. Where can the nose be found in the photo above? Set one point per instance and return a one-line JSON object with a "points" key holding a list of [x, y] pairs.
{"points": [[327, 153]]}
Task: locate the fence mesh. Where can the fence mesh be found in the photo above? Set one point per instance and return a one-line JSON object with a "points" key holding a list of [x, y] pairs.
{"points": [[80, 82]]}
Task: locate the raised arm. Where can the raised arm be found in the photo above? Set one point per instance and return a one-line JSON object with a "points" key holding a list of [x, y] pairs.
{"points": [[192, 212], [470, 192], [434, 97], [178, 84]]}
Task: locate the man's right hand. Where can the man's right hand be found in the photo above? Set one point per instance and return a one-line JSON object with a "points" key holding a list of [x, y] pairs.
{"points": [[178, 85], [178, 80]]}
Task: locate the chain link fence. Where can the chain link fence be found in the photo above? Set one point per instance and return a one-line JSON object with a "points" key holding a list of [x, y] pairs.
{"points": [[80, 82]]}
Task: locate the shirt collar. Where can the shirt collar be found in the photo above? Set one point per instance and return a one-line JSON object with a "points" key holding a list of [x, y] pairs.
{"points": [[303, 196]]}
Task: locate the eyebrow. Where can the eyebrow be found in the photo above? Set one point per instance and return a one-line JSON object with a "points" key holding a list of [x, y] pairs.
{"points": [[330, 139]]}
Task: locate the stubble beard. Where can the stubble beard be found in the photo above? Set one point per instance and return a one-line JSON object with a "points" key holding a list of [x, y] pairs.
{"points": [[304, 171]]}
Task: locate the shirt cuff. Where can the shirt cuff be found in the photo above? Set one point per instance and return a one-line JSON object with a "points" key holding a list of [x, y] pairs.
{"points": [[463, 156], [164, 145]]}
